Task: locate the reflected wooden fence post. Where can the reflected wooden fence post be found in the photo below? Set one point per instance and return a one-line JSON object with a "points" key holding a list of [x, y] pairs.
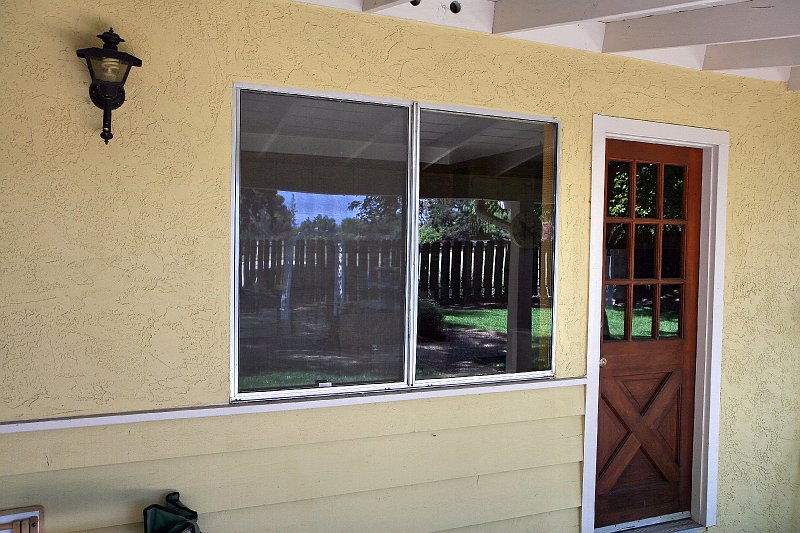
{"points": [[466, 271], [444, 285], [434, 271], [424, 271]]}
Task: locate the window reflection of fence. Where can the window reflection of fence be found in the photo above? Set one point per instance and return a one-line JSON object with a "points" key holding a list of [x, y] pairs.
{"points": [[370, 270], [450, 271], [467, 271]]}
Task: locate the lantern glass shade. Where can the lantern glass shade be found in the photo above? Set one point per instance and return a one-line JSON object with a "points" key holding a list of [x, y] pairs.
{"points": [[108, 69]]}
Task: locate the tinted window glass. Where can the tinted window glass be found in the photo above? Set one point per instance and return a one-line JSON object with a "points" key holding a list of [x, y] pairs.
{"points": [[322, 242], [486, 232]]}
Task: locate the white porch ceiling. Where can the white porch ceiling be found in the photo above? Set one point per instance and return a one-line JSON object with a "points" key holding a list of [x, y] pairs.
{"points": [[754, 38]]}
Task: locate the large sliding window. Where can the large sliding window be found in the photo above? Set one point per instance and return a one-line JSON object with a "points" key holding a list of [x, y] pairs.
{"points": [[386, 245]]}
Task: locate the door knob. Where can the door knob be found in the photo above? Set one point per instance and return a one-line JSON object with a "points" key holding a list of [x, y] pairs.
{"points": [[603, 362]]}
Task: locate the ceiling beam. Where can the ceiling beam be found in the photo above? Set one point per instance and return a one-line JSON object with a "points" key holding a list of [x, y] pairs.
{"points": [[520, 15], [373, 6], [455, 140], [747, 21], [794, 79], [753, 54]]}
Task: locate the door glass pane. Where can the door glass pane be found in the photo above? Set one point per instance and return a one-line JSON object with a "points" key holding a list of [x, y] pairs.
{"points": [[670, 311], [619, 176], [644, 251], [673, 191], [614, 300], [486, 212], [646, 187], [642, 324], [617, 251], [672, 251], [322, 242]]}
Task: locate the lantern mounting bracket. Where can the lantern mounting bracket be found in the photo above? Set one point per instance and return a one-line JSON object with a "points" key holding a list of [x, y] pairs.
{"points": [[99, 95]]}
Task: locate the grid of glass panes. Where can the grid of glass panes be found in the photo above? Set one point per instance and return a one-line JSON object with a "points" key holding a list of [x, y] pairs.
{"points": [[644, 232]]}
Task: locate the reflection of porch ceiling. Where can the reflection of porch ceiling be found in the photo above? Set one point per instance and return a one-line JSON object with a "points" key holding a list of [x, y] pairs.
{"points": [[467, 150], [479, 179], [301, 128], [755, 38]]}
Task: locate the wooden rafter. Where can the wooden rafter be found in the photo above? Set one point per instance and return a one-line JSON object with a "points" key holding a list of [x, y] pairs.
{"points": [[747, 21], [520, 15], [753, 54]]}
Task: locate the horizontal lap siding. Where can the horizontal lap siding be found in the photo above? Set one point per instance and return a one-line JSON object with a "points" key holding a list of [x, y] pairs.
{"points": [[444, 506], [25, 453], [446, 462], [561, 521]]}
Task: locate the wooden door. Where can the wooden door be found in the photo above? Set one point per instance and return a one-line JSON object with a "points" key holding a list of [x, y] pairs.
{"points": [[648, 346]]}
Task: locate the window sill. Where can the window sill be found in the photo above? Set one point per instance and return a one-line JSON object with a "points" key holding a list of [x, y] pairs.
{"points": [[241, 407], [359, 394]]}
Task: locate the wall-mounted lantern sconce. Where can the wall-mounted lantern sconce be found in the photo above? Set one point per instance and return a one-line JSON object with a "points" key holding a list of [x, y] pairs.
{"points": [[109, 69]]}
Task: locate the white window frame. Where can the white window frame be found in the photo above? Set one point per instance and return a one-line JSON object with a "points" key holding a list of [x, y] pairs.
{"points": [[409, 384], [715, 145]]}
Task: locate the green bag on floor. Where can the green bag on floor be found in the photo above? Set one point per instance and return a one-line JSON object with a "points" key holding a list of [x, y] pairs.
{"points": [[172, 517]]}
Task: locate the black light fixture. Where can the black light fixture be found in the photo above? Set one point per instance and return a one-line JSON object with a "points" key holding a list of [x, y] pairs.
{"points": [[109, 69]]}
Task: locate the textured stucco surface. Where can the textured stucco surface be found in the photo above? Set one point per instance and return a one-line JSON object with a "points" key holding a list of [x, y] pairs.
{"points": [[114, 260]]}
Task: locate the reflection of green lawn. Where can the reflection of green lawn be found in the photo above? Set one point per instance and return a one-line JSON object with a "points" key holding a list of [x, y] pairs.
{"points": [[491, 319], [280, 380], [641, 323], [301, 378]]}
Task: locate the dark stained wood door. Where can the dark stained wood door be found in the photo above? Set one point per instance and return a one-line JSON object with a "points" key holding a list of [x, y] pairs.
{"points": [[651, 245]]}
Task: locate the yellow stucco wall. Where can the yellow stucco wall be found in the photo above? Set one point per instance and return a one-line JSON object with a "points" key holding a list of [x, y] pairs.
{"points": [[115, 259]]}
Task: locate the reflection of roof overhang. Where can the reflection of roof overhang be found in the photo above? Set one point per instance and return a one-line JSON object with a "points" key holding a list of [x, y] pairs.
{"points": [[322, 174], [301, 144], [447, 139], [328, 146], [508, 176], [480, 188]]}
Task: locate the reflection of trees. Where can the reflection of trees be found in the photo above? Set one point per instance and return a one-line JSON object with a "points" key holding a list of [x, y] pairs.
{"points": [[646, 184], [446, 219], [618, 189], [263, 214], [320, 225], [646, 190], [673, 192], [617, 237], [378, 217]]}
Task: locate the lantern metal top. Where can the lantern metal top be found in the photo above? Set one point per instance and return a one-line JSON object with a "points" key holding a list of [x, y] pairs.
{"points": [[110, 42], [110, 39]]}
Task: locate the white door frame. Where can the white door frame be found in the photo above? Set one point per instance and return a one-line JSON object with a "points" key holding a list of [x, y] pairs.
{"points": [[715, 145]]}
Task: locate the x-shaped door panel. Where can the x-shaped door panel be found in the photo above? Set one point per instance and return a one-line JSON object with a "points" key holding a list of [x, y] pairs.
{"points": [[642, 430]]}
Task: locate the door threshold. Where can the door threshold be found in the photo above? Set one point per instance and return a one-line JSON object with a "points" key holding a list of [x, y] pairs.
{"points": [[686, 525], [668, 523], [682, 525]]}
